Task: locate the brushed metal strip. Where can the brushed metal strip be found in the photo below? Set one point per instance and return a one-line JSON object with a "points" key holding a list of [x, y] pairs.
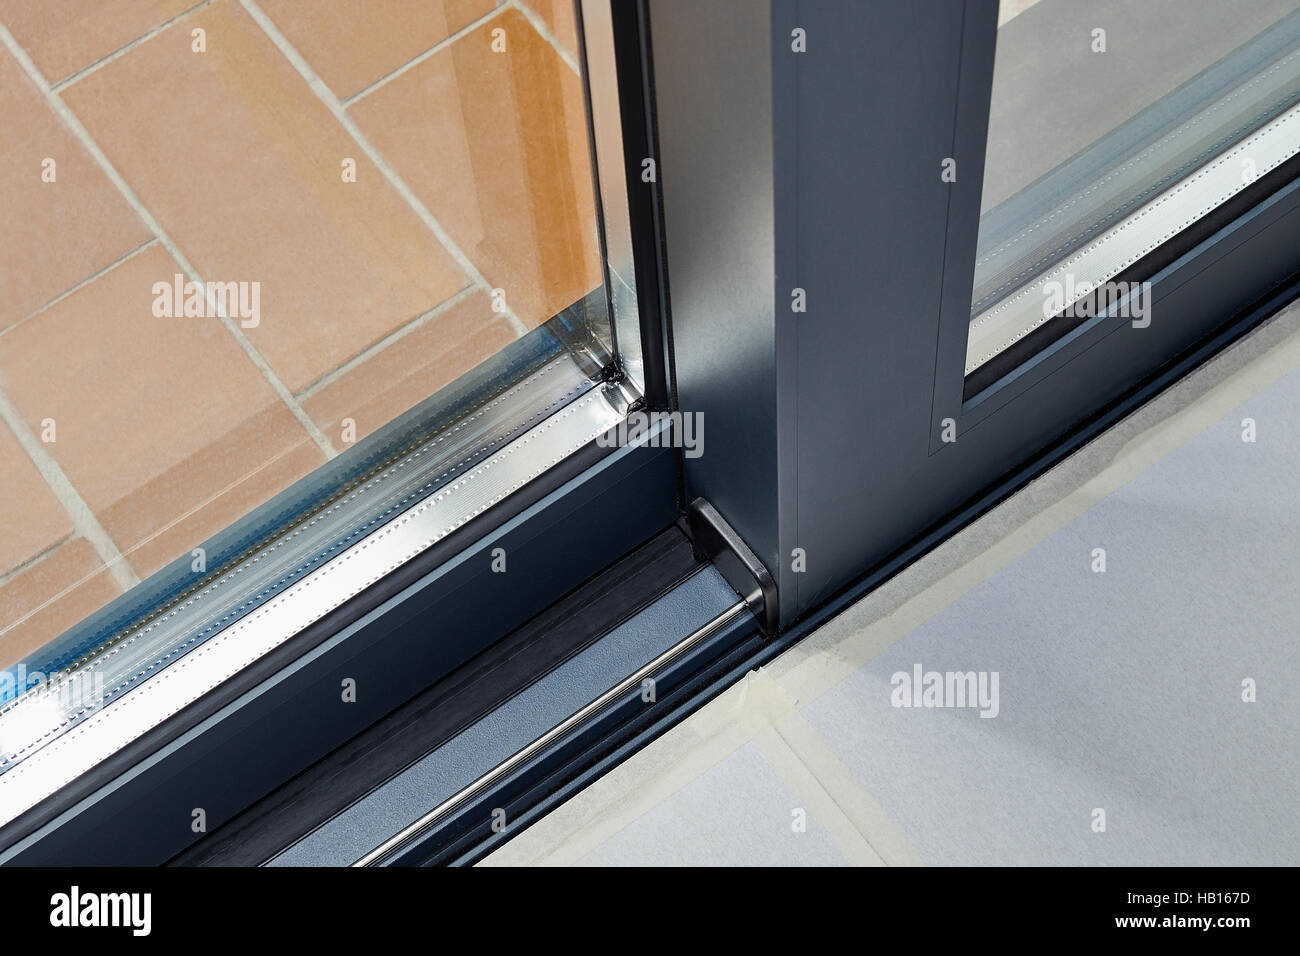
{"points": [[1178, 207], [137, 655], [554, 735], [184, 680]]}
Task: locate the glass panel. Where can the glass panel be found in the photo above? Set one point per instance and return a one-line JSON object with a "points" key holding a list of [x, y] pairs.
{"points": [[243, 239], [1114, 125]]}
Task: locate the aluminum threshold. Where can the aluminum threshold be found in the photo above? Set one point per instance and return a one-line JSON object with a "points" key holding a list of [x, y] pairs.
{"points": [[457, 794], [628, 685]]}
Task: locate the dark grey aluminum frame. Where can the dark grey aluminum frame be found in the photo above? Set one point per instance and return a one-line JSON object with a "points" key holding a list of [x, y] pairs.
{"points": [[284, 712], [820, 171]]}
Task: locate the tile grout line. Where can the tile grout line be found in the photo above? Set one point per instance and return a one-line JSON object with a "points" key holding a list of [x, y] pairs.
{"points": [[34, 561], [370, 351], [120, 260], [420, 58], [53, 599], [217, 495], [49, 602], [83, 519], [528, 13], [103, 61], [326, 96], [544, 31], [83, 137]]}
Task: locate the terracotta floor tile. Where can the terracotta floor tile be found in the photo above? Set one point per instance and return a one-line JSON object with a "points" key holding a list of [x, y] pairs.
{"points": [[350, 45], [43, 601], [59, 233], [64, 36], [164, 425], [31, 518], [411, 369], [241, 163], [562, 21], [495, 144]]}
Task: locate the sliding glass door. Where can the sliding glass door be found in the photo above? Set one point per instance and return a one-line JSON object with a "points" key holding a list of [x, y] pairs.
{"points": [[872, 266], [946, 242]]}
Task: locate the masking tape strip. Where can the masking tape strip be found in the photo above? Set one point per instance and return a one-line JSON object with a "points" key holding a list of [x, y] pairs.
{"points": [[635, 787], [1159, 428], [756, 709], [764, 707], [849, 798]]}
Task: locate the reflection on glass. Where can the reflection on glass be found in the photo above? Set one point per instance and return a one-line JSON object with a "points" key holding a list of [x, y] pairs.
{"points": [[241, 238], [1113, 126]]}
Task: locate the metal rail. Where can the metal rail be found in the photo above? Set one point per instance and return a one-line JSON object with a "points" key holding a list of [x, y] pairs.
{"points": [[410, 833]]}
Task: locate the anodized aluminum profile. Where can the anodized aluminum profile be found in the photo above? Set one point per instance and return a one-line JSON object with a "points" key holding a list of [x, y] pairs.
{"points": [[56, 736], [628, 685], [1010, 320]]}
